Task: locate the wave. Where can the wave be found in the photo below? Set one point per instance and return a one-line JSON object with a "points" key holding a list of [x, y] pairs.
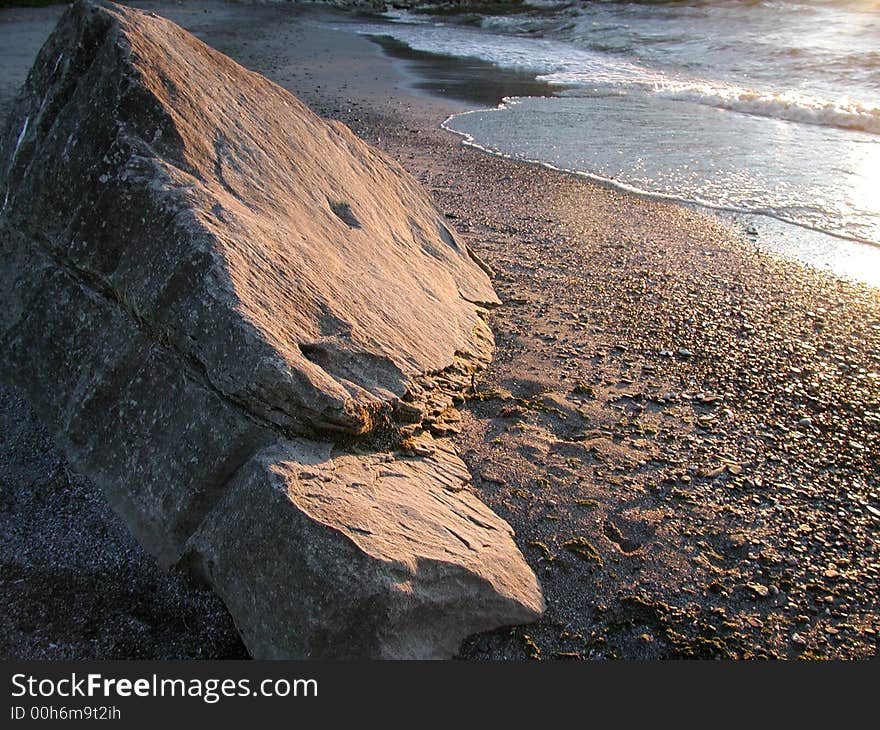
{"points": [[792, 106]]}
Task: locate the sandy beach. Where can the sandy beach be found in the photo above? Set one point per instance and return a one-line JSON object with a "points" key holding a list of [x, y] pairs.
{"points": [[683, 431]]}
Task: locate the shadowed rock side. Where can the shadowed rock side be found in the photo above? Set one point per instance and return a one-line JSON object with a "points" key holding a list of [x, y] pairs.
{"points": [[204, 287]]}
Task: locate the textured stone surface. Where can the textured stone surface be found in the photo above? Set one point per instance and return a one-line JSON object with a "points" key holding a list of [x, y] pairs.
{"points": [[206, 289], [373, 555]]}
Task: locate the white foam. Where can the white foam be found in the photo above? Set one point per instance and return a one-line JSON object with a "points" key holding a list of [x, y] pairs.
{"points": [[792, 106]]}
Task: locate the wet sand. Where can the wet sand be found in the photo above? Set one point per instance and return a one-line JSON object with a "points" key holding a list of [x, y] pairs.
{"points": [[682, 430]]}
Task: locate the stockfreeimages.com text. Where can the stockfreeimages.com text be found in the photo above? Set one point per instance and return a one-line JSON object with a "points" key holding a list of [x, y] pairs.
{"points": [[209, 690]]}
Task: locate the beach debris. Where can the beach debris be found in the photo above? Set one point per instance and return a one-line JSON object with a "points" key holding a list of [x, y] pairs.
{"points": [[227, 309]]}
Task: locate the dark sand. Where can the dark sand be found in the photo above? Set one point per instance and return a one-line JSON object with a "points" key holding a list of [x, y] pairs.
{"points": [[719, 501]]}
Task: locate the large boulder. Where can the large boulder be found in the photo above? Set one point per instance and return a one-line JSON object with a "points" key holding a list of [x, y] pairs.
{"points": [[241, 322]]}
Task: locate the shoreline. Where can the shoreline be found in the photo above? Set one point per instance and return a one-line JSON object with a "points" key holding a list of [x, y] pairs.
{"points": [[724, 212], [856, 269], [788, 239], [672, 505], [473, 81]]}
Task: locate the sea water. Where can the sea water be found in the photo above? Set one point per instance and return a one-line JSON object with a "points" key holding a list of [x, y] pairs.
{"points": [[767, 110]]}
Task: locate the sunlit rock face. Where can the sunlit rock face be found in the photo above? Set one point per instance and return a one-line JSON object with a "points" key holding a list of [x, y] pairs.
{"points": [[224, 306]]}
